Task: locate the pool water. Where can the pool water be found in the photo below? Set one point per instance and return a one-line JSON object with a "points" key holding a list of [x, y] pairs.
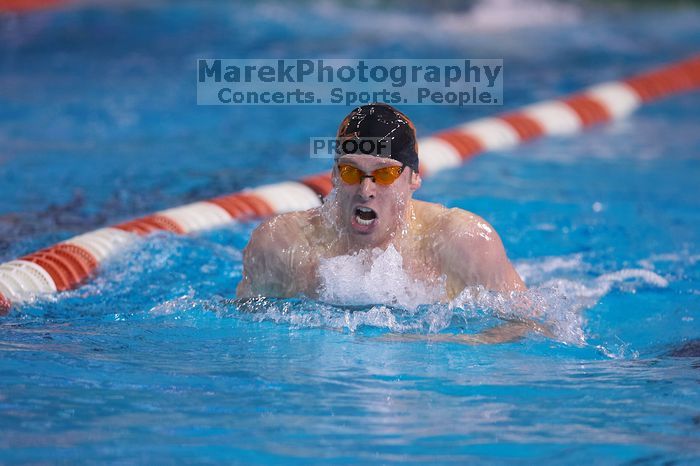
{"points": [[152, 362]]}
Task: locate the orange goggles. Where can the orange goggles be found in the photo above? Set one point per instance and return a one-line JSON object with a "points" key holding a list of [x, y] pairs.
{"points": [[384, 176]]}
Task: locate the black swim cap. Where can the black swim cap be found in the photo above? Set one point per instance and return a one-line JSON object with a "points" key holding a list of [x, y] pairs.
{"points": [[379, 122]]}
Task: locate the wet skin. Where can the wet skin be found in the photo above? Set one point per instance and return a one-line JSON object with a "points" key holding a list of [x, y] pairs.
{"points": [[436, 243]]}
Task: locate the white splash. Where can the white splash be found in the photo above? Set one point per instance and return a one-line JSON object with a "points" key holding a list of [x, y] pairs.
{"points": [[562, 294], [183, 303], [484, 16], [505, 15], [374, 277]]}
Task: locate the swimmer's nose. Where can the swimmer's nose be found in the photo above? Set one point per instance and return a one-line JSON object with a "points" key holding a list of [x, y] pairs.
{"points": [[367, 188]]}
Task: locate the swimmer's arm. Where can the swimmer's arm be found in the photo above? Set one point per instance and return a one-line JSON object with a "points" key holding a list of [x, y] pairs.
{"points": [[264, 268], [472, 254], [505, 333]]}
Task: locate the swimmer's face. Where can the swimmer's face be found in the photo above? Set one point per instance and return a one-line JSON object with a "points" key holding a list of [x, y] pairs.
{"points": [[371, 212]]}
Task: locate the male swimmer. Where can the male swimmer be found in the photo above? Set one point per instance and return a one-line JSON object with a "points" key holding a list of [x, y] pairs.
{"points": [[372, 206]]}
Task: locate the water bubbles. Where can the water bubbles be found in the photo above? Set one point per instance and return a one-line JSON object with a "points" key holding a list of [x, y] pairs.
{"points": [[175, 305], [376, 276], [370, 290]]}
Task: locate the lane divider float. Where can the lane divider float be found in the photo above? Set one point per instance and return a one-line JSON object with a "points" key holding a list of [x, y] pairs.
{"points": [[23, 6], [66, 265]]}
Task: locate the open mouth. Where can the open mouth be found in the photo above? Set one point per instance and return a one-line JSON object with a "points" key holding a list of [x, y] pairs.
{"points": [[365, 215]]}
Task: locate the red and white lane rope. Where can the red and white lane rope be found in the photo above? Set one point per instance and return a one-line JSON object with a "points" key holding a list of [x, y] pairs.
{"points": [[66, 265], [22, 6]]}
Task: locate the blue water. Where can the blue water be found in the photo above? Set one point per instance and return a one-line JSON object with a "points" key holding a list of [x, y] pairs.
{"points": [[152, 363]]}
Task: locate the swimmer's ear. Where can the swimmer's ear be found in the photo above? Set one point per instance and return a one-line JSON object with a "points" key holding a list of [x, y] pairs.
{"points": [[415, 180]]}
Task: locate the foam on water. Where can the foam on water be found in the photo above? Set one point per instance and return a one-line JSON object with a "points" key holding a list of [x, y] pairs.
{"points": [[166, 276], [153, 360], [370, 291], [503, 15]]}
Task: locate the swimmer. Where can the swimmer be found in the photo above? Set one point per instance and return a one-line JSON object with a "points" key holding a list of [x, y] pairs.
{"points": [[372, 206]]}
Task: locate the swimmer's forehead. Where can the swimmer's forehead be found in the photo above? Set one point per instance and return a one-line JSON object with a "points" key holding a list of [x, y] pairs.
{"points": [[368, 161]]}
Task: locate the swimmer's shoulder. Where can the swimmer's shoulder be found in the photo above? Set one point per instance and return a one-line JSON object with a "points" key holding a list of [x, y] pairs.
{"points": [[470, 252], [465, 224], [427, 213], [266, 237], [453, 222], [276, 259], [439, 216], [285, 229]]}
